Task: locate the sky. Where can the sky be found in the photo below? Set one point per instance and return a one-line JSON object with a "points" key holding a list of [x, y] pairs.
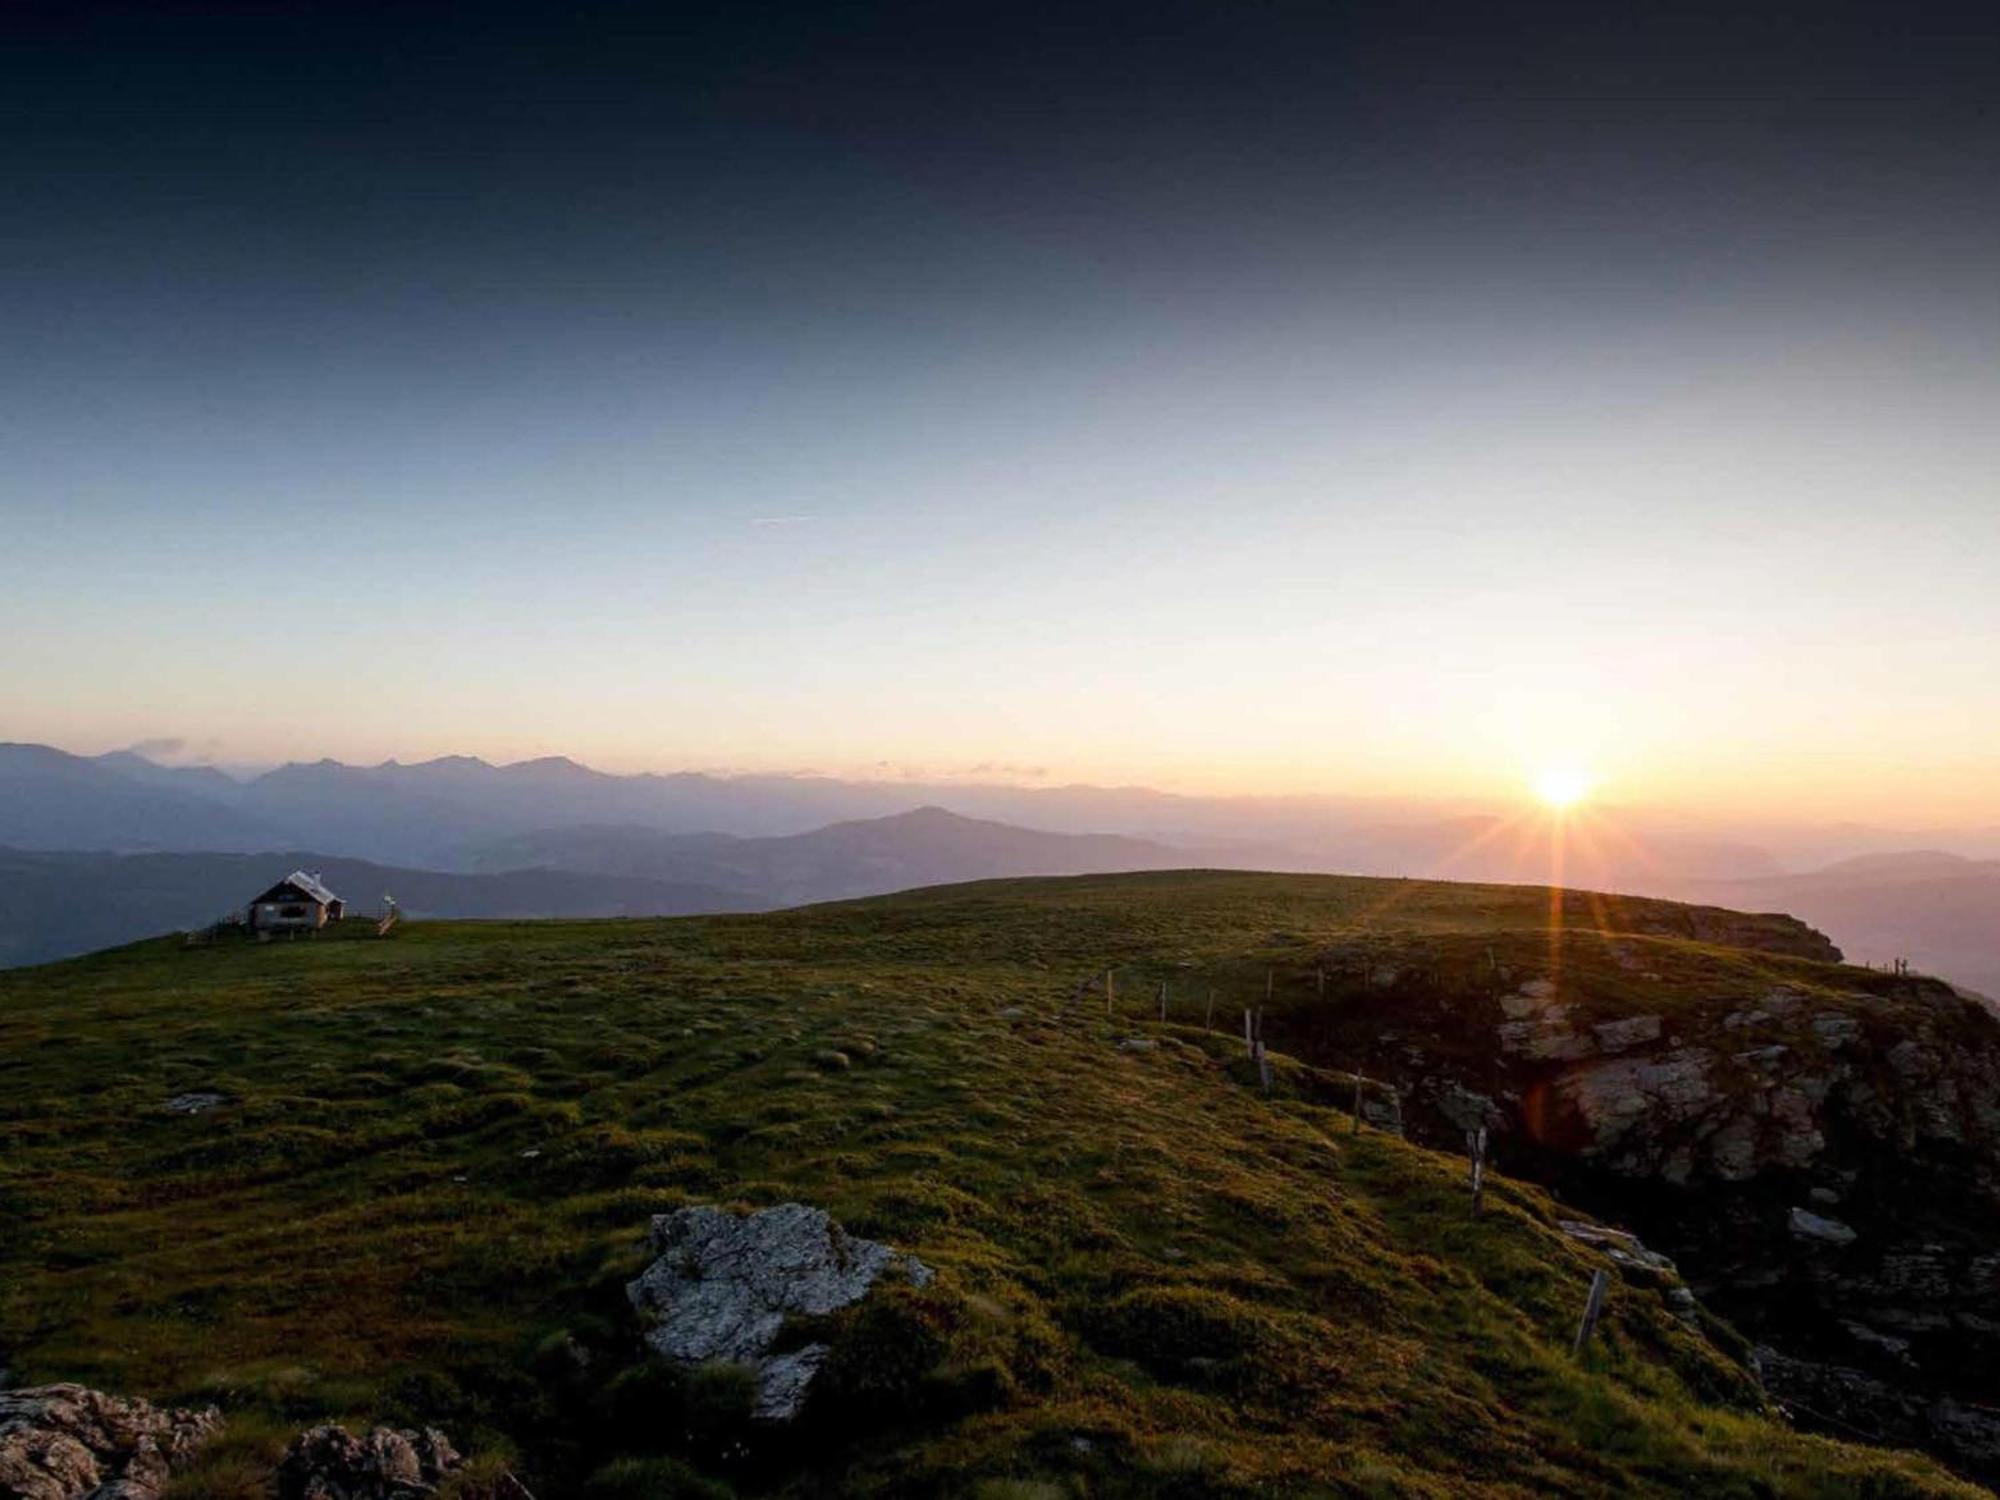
{"points": [[1254, 397]]}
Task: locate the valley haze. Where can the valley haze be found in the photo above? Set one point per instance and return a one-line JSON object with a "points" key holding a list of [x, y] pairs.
{"points": [[574, 841]]}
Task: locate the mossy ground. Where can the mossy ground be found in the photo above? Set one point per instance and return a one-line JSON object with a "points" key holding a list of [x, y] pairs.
{"points": [[442, 1149]]}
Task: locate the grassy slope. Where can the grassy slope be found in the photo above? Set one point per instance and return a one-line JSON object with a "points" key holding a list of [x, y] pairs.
{"points": [[1154, 1281]]}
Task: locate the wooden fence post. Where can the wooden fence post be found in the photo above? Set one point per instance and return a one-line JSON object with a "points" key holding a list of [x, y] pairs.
{"points": [[1208, 1016], [1359, 1079], [1110, 994], [1475, 1147], [1163, 1001], [1593, 1308], [1319, 977], [1249, 1036]]}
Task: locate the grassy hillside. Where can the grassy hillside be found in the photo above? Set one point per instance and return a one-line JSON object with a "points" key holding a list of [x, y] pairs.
{"points": [[441, 1151]]}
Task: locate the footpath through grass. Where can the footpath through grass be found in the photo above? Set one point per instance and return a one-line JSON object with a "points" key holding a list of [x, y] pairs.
{"points": [[440, 1152]]}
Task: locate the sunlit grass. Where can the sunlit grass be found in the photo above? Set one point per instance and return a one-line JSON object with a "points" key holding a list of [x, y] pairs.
{"points": [[442, 1149]]}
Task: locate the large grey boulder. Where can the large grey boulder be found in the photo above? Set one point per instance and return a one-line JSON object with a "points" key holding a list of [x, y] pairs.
{"points": [[69, 1442], [724, 1284]]}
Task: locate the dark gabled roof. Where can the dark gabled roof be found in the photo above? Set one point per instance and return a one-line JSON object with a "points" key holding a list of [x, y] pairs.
{"points": [[306, 885]]}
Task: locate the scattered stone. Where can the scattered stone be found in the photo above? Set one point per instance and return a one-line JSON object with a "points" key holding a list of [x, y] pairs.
{"points": [[1763, 1058], [69, 1442], [1870, 1338], [724, 1284], [195, 1103], [1847, 1402], [1782, 1001], [1614, 1096], [1548, 1039], [832, 1061], [1835, 1030], [1531, 999], [1623, 1246], [1464, 1108], [1138, 1044], [1013, 1012], [331, 1463], [1807, 1225], [1796, 1140], [1616, 1036]]}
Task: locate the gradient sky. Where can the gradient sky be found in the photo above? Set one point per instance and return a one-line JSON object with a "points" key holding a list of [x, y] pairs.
{"points": [[1376, 398]]}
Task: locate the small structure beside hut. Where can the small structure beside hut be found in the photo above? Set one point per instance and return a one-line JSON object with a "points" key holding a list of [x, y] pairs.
{"points": [[298, 903]]}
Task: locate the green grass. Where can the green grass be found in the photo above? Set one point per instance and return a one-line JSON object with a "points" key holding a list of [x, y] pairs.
{"points": [[1153, 1280]]}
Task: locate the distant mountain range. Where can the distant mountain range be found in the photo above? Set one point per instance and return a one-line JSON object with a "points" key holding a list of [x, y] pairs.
{"points": [[456, 812], [434, 813], [690, 841], [1939, 911], [928, 846]]}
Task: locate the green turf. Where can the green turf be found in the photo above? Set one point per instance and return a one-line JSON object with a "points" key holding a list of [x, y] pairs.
{"points": [[1153, 1280]]}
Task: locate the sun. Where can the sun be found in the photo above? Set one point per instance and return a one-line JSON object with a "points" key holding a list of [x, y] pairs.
{"points": [[1561, 787]]}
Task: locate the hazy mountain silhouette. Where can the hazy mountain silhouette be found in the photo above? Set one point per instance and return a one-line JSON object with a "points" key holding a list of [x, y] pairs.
{"points": [[53, 800], [431, 812], [1939, 911], [928, 846]]}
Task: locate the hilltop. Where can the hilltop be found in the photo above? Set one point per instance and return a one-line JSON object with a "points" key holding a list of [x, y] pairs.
{"points": [[55, 905], [435, 1156]]}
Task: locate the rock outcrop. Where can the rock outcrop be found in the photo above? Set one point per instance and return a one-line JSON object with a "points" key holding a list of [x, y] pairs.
{"points": [[389, 1463], [724, 1284], [1761, 932], [1817, 1147], [69, 1442], [1854, 1404]]}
